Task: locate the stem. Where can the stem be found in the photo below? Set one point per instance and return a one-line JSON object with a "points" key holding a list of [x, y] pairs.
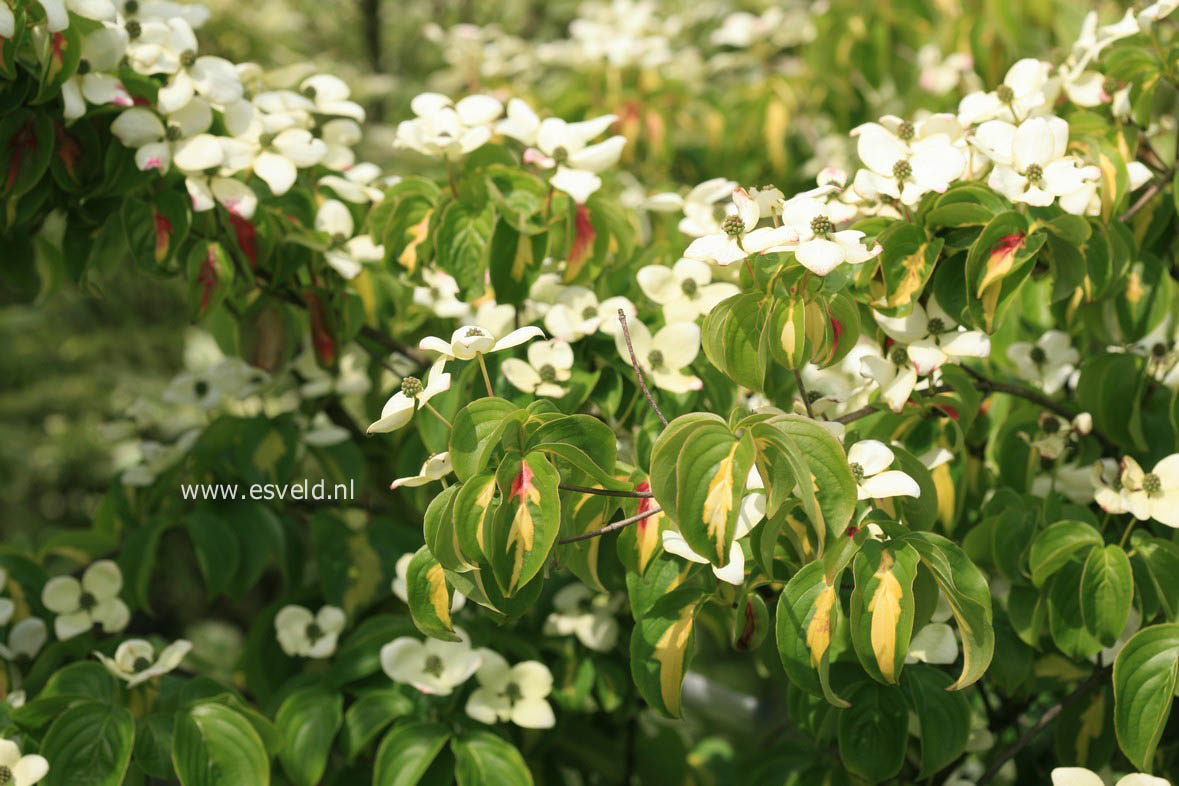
{"points": [[1126, 534], [1147, 195], [437, 414], [486, 376], [611, 527], [604, 492], [638, 371], [802, 391]]}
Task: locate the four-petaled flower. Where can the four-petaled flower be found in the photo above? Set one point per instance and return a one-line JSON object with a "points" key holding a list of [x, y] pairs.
{"points": [[512, 693], [870, 460], [686, 290], [307, 635], [664, 356], [136, 661], [738, 235], [79, 605], [579, 611], [549, 363], [432, 666]]}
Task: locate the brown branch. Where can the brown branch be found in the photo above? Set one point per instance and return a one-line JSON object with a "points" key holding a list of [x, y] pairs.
{"points": [[1051, 714], [603, 492], [638, 371], [1147, 195], [806, 401], [606, 530]]}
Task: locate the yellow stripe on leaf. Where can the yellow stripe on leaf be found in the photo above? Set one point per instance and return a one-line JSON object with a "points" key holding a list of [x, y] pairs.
{"points": [[885, 608], [670, 652], [818, 631], [718, 504]]}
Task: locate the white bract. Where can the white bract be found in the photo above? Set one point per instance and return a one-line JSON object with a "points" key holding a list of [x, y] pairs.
{"points": [[753, 510], [181, 141], [512, 693], [136, 660], [578, 611], [1154, 494], [347, 254], [22, 770], [306, 635], [906, 160], [1049, 362], [1027, 89], [1032, 164], [445, 129], [329, 95], [434, 666], [701, 206], [57, 12], [436, 467], [79, 605], [1079, 776], [819, 247], [25, 639], [577, 313], [685, 290], [870, 460], [467, 343], [399, 409], [549, 363], [440, 295], [664, 356], [932, 337], [94, 81], [738, 235]]}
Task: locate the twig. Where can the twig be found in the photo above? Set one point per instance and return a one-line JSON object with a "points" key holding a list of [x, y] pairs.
{"points": [[871, 409], [1049, 715], [1147, 195], [638, 371], [617, 525], [806, 400], [603, 492]]}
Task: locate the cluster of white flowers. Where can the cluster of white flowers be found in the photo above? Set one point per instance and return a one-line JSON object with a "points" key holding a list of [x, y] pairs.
{"points": [[1145, 495]]}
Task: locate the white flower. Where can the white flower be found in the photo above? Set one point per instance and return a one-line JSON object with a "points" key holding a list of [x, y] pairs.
{"points": [[25, 639], [181, 142], [440, 295], [579, 612], [58, 19], [496, 318], [357, 184], [1074, 481], [23, 770], [435, 467], [347, 254], [739, 236], [1153, 495], [932, 338], [136, 661], [1106, 475], [512, 693], [1048, 363], [329, 96], [577, 313], [1031, 164], [685, 290], [276, 146], [941, 75], [869, 460], [434, 666], [664, 356], [820, 248], [700, 207], [213, 78], [1079, 776], [753, 510], [94, 82], [907, 160], [549, 363], [399, 409], [1055, 433], [401, 587], [79, 605], [1027, 89], [445, 129], [307, 635], [565, 146], [468, 342], [1156, 11]]}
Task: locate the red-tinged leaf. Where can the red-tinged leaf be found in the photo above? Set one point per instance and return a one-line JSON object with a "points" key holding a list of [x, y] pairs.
{"points": [[247, 237], [321, 334]]}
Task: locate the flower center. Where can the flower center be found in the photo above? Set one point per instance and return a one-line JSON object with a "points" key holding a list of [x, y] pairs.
{"points": [[733, 225], [821, 225], [513, 692], [434, 665], [902, 170], [1110, 86], [5, 775], [313, 632], [187, 58], [547, 373], [906, 131], [411, 386], [813, 395], [689, 286], [141, 664], [83, 66], [1005, 94], [857, 472], [1051, 426], [1034, 173], [339, 239], [266, 140], [87, 601], [309, 92], [560, 155], [1159, 350], [655, 358], [1152, 484], [589, 312], [133, 28], [1038, 355], [899, 356], [174, 132], [936, 325], [201, 388], [472, 332]]}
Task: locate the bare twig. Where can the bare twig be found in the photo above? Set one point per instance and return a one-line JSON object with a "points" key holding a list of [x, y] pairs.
{"points": [[638, 371], [1147, 195], [1051, 714], [806, 400], [617, 525], [603, 492]]}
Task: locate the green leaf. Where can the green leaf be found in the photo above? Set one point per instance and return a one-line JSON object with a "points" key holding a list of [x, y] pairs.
{"points": [[308, 721], [731, 337], [698, 474], [462, 240], [943, 716], [1162, 568], [89, 744], [997, 264], [369, 714], [407, 752], [429, 596], [527, 522], [873, 731], [1110, 389], [484, 759], [1065, 620], [883, 608], [1145, 677], [1107, 592], [661, 648], [475, 507], [515, 262], [1056, 545], [808, 614], [477, 430], [215, 746]]}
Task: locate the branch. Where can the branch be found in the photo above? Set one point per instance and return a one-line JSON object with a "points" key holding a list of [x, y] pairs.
{"points": [[1049, 715], [603, 492], [1147, 195], [638, 371], [606, 530], [806, 401]]}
